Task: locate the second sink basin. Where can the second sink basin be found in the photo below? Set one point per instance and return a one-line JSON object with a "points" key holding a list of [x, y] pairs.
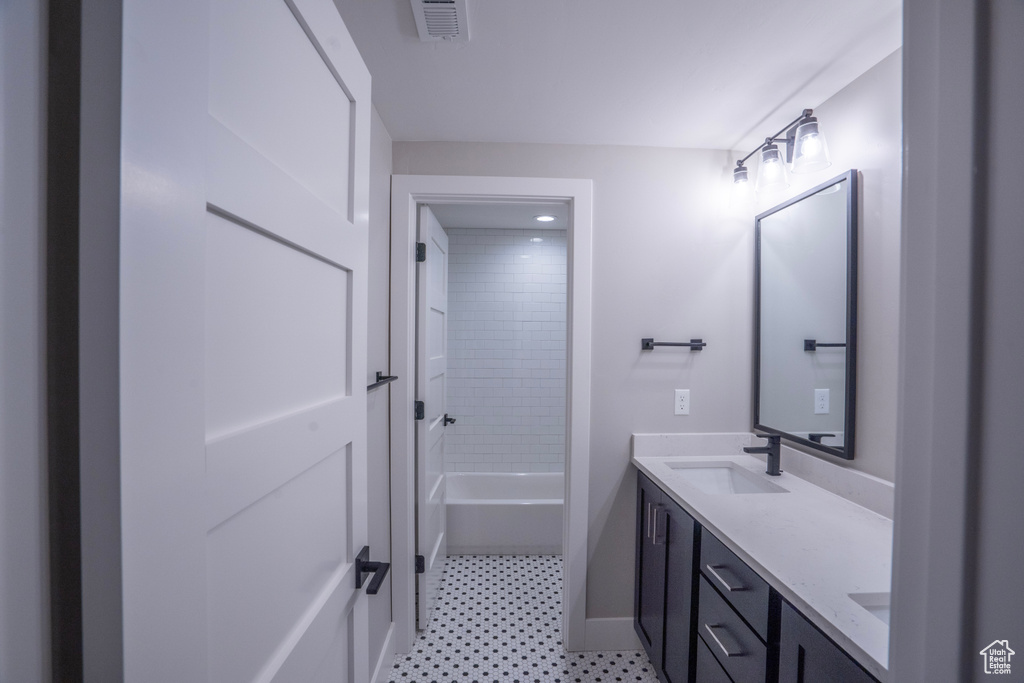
{"points": [[876, 604], [723, 478]]}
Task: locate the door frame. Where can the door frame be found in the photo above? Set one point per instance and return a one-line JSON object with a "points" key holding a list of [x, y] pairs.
{"points": [[407, 191]]}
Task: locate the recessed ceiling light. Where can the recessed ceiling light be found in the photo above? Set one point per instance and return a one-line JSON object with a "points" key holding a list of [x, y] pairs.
{"points": [[536, 239], [544, 218]]}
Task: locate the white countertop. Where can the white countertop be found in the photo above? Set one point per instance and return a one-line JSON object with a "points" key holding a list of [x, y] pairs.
{"points": [[814, 547]]}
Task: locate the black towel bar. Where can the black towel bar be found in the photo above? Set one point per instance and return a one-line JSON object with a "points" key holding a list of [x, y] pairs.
{"points": [[813, 344], [648, 344]]}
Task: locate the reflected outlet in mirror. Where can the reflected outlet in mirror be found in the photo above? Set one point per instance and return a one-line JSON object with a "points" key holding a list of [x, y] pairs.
{"points": [[718, 478], [875, 603]]}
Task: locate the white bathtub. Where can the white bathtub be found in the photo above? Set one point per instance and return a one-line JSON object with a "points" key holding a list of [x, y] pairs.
{"points": [[504, 513]]}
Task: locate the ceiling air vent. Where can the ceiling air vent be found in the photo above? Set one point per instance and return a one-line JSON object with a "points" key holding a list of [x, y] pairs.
{"points": [[441, 20]]}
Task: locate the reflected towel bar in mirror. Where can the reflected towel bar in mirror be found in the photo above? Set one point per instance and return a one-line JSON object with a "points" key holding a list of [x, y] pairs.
{"points": [[813, 344], [648, 344]]}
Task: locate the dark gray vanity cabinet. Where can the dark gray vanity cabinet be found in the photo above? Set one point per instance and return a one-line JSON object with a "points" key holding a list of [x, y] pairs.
{"points": [[806, 654], [704, 616], [664, 592]]}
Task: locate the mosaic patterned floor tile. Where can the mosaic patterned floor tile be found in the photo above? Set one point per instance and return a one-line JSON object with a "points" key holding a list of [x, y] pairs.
{"points": [[498, 620]]}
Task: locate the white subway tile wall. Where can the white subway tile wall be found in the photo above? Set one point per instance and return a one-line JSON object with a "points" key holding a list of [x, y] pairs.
{"points": [[506, 350]]}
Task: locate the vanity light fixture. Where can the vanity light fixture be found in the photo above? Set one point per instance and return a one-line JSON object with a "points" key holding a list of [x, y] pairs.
{"points": [[544, 218], [536, 239], [805, 148]]}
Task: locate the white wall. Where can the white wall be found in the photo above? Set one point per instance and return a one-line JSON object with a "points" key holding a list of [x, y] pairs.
{"points": [[506, 350], [24, 607], [378, 476], [863, 125], [668, 262]]}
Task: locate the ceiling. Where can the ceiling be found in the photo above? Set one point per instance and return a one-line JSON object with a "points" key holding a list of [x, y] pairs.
{"points": [[511, 216], [719, 74]]}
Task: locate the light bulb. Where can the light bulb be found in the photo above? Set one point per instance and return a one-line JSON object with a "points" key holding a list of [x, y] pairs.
{"points": [[811, 153], [741, 190], [810, 146], [771, 174]]}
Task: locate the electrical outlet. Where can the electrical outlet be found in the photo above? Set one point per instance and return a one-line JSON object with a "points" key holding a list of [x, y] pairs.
{"points": [[682, 401], [821, 401]]}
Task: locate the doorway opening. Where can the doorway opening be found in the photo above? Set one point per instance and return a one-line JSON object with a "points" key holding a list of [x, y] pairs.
{"points": [[466, 195]]}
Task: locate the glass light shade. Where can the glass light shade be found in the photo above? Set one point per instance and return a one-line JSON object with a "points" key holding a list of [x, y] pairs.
{"points": [[741, 187], [771, 174], [811, 150]]}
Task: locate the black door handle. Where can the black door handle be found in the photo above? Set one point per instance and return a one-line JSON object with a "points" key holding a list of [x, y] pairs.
{"points": [[448, 420], [364, 566]]}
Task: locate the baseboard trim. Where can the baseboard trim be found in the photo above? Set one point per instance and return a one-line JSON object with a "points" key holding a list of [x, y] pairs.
{"points": [[611, 634], [387, 657]]}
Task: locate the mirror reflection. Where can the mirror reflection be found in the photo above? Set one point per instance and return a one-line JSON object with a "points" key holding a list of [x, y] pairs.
{"points": [[806, 318]]}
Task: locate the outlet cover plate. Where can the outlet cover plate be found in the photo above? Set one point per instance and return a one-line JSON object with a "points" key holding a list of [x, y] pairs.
{"points": [[682, 401], [821, 401]]}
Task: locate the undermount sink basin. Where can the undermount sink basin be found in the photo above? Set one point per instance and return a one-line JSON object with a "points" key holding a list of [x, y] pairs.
{"points": [[876, 604], [723, 477]]}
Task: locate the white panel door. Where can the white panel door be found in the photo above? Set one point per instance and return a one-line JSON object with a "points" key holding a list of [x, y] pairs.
{"points": [[431, 389], [243, 327]]}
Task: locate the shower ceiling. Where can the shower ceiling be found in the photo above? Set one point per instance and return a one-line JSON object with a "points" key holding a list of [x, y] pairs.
{"points": [[516, 216]]}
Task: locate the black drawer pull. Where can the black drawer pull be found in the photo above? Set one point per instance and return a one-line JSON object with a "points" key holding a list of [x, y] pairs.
{"points": [[718, 641], [655, 535], [725, 584]]}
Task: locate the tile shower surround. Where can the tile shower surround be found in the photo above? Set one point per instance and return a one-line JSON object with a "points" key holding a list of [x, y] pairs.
{"points": [[498, 619], [506, 350]]}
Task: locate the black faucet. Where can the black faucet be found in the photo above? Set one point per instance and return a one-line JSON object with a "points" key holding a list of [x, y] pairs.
{"points": [[772, 449]]}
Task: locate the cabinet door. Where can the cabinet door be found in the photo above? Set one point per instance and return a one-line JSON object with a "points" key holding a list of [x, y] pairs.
{"points": [[649, 596], [806, 654], [680, 612]]}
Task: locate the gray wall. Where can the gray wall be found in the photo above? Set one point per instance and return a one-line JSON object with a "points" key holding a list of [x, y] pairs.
{"points": [[24, 605], [863, 125], [673, 261], [378, 426], [669, 262], [957, 584], [999, 552]]}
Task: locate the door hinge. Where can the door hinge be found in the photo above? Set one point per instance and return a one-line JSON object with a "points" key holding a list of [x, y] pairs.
{"points": [[421, 252], [421, 564], [418, 410]]}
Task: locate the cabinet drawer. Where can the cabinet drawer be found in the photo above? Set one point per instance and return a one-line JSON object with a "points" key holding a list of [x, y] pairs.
{"points": [[747, 592], [708, 668], [736, 647]]}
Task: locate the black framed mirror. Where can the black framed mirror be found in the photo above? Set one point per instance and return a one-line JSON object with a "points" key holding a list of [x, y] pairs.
{"points": [[805, 318]]}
